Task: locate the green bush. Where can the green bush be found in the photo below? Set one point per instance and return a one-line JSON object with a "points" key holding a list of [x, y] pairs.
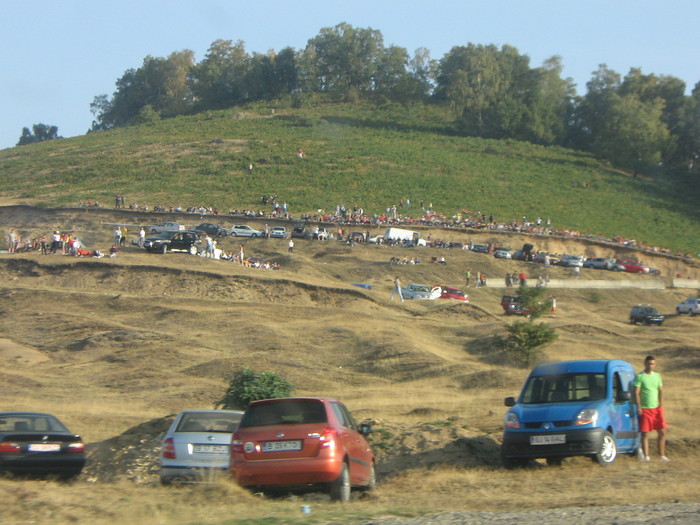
{"points": [[247, 385], [525, 341]]}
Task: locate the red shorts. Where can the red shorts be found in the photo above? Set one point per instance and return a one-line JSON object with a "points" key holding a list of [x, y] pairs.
{"points": [[652, 419]]}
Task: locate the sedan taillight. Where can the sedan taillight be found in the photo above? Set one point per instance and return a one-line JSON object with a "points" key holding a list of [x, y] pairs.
{"points": [[76, 448], [168, 449], [7, 446]]}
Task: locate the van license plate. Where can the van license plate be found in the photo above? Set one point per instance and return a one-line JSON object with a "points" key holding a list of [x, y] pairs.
{"points": [[551, 439], [277, 446]]}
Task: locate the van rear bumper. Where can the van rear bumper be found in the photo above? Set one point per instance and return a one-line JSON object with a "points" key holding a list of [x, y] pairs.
{"points": [[579, 442]]}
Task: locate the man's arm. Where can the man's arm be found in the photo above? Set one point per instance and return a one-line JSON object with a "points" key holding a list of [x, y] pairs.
{"points": [[637, 399], [661, 396]]}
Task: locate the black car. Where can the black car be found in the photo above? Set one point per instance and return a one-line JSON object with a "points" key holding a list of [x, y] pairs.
{"points": [[39, 445], [646, 314], [300, 232], [211, 229], [174, 241]]}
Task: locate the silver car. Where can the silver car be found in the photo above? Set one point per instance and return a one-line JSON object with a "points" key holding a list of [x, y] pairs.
{"points": [[243, 230], [196, 448], [689, 306], [420, 291]]}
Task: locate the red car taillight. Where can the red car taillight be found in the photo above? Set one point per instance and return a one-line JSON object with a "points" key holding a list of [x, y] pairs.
{"points": [[236, 444], [327, 438], [6, 446], [76, 448], [168, 449]]}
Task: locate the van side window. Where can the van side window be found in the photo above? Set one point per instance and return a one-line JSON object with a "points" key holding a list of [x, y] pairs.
{"points": [[617, 386]]}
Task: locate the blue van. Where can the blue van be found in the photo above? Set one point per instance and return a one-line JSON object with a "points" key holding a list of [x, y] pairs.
{"points": [[572, 408]]}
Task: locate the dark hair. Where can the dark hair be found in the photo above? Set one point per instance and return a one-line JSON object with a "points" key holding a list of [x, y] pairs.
{"points": [[649, 358]]}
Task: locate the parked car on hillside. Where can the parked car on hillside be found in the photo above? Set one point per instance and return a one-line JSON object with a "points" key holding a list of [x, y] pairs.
{"points": [[167, 226], [633, 266], [419, 291], [196, 447], [512, 306], [502, 253], [571, 261], [302, 443], [646, 314], [36, 444], [542, 258], [243, 230], [450, 292], [278, 232], [690, 306], [300, 232], [174, 242], [601, 263], [480, 248], [213, 230]]}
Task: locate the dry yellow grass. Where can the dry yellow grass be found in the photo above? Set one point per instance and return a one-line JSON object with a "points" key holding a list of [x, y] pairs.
{"points": [[134, 338]]}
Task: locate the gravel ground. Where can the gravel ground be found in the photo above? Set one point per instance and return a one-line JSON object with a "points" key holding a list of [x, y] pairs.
{"points": [[661, 513]]}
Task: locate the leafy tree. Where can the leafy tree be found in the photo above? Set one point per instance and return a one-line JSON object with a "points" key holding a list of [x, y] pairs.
{"points": [[41, 133], [147, 115], [247, 386], [345, 59], [218, 81], [632, 133], [525, 341]]}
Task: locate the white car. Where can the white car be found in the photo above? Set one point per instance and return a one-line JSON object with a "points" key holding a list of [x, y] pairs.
{"points": [[196, 448], [278, 232], [243, 230], [689, 306], [420, 291], [167, 226]]}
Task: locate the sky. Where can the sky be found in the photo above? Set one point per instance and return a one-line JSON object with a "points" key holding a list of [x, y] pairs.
{"points": [[57, 55]]}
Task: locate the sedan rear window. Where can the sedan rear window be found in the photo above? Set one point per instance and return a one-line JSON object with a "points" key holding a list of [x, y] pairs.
{"points": [[208, 422], [287, 412]]}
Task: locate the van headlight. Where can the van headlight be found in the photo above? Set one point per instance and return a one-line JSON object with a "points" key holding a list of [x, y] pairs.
{"points": [[511, 420], [587, 416]]}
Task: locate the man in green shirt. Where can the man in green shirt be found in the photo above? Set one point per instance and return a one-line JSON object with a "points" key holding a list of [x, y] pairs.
{"points": [[649, 395]]}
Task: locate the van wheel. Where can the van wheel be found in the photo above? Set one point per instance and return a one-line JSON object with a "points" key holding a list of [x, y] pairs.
{"points": [[164, 249], [608, 450], [193, 250], [554, 462], [340, 487]]}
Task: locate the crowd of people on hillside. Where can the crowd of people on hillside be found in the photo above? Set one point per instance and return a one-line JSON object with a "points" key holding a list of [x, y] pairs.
{"points": [[400, 215]]}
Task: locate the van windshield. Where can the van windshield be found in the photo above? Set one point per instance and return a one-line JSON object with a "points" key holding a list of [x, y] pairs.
{"points": [[564, 388]]}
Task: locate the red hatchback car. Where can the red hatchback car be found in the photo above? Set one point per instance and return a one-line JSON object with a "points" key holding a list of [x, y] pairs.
{"points": [[633, 266], [301, 443], [450, 292]]}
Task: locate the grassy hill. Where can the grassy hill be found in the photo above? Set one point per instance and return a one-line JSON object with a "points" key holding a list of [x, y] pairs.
{"points": [[356, 155]]}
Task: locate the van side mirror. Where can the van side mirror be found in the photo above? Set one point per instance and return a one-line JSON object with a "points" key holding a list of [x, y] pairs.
{"points": [[509, 401], [624, 396]]}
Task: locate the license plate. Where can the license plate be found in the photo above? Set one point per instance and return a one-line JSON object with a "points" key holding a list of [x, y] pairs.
{"points": [[210, 449], [276, 446], [551, 439], [44, 447]]}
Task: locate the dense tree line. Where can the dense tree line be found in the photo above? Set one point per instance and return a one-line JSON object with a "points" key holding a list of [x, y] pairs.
{"points": [[640, 122], [39, 133]]}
